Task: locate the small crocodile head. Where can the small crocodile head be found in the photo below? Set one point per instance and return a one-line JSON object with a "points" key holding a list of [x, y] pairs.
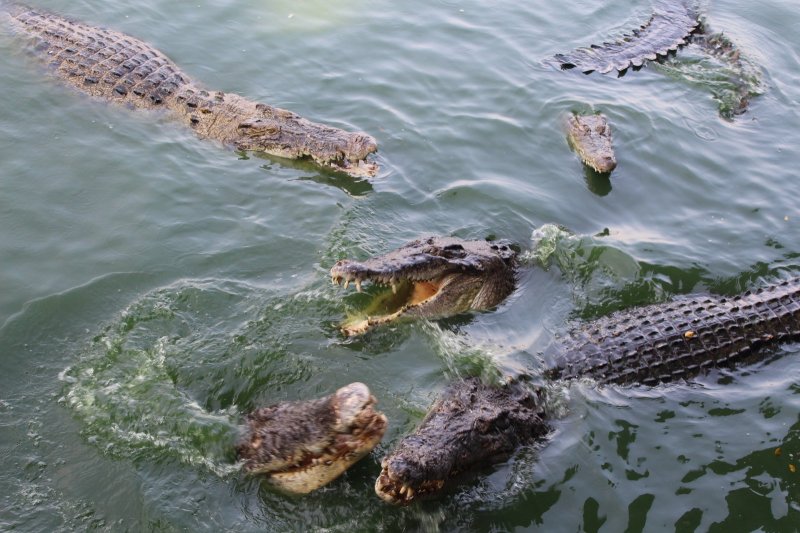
{"points": [[282, 133], [301, 446], [590, 137], [470, 426], [432, 277]]}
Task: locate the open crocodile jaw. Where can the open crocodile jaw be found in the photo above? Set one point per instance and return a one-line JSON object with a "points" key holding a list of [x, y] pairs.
{"points": [[419, 294], [301, 446], [435, 277]]}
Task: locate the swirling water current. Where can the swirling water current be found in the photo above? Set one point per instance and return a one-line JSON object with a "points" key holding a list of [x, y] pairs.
{"points": [[156, 286]]}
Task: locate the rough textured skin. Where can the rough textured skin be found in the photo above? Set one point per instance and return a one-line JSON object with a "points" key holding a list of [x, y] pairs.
{"points": [[590, 137], [447, 276], [304, 445], [471, 425], [116, 67], [681, 339], [669, 28], [649, 345]]}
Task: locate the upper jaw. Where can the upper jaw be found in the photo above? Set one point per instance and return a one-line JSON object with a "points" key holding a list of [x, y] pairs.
{"points": [[422, 267]]}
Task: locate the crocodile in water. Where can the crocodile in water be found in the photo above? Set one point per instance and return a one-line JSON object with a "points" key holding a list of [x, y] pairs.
{"points": [[649, 345], [670, 27], [116, 67], [301, 446], [732, 78], [590, 137], [433, 277]]}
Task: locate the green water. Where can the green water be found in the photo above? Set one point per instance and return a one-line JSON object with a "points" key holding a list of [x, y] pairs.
{"points": [[156, 286]]}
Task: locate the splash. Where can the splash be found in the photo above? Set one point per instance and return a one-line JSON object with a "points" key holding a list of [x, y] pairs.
{"points": [[169, 378], [718, 66]]}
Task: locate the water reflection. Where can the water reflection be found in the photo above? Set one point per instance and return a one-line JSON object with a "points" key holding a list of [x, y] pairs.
{"points": [[598, 182]]}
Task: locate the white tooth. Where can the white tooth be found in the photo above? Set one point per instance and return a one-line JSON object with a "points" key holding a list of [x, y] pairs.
{"points": [[346, 283], [403, 490], [358, 285], [333, 280], [410, 492], [394, 286]]}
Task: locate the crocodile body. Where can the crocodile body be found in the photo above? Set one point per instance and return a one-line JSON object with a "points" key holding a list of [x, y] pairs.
{"points": [[649, 345], [681, 339], [670, 27], [119, 68]]}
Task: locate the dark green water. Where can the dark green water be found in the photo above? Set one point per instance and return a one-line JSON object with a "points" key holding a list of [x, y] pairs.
{"points": [[156, 286]]}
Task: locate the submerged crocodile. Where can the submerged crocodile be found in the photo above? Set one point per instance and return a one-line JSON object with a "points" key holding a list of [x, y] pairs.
{"points": [[590, 137], [119, 68], [301, 446], [432, 277], [473, 425], [673, 25]]}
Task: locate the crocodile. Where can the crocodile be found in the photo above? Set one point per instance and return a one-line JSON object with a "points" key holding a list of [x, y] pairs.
{"points": [[116, 67], [733, 79], [303, 445], [670, 27], [432, 277], [590, 137], [474, 425]]}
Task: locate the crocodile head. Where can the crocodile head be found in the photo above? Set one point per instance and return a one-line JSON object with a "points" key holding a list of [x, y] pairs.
{"points": [[301, 446], [590, 137], [470, 426], [285, 134], [432, 277]]}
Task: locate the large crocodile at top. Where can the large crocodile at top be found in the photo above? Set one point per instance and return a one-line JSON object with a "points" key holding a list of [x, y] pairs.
{"points": [[474, 425], [116, 67]]}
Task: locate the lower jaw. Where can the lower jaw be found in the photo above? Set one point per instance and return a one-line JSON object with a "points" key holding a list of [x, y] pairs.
{"points": [[407, 297]]}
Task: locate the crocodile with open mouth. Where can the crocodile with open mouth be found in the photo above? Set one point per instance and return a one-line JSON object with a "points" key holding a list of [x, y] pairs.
{"points": [[303, 445], [119, 68], [433, 277], [473, 425]]}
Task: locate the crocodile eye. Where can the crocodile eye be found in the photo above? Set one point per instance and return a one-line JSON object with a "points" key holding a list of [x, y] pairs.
{"points": [[454, 248], [502, 423], [482, 425]]}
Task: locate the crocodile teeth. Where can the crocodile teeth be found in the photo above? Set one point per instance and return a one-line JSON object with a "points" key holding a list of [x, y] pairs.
{"points": [[358, 285], [393, 283], [346, 283]]}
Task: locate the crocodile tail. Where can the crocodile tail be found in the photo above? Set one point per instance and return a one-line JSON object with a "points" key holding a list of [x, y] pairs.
{"points": [[669, 28]]}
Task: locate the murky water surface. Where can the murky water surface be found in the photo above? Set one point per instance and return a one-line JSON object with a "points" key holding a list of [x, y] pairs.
{"points": [[155, 286]]}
